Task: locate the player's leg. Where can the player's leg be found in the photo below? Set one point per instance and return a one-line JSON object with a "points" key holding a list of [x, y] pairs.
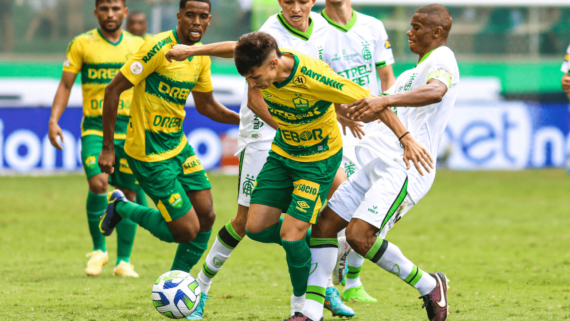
{"points": [[96, 201]]}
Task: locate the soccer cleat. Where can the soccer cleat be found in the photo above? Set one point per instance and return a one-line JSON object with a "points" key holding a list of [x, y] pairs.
{"points": [[111, 218], [96, 262], [299, 317], [357, 294], [334, 304], [339, 269], [436, 302], [125, 269], [198, 314]]}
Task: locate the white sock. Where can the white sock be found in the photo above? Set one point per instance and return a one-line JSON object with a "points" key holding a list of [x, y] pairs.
{"points": [[216, 258], [297, 303], [330, 282], [354, 262], [325, 260], [394, 261]]}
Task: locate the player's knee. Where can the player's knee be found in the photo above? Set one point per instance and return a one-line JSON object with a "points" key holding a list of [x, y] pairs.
{"points": [[98, 186], [186, 235], [207, 219], [359, 242]]}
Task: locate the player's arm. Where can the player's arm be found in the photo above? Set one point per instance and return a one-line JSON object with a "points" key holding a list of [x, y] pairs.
{"points": [[58, 107], [355, 127], [113, 93], [211, 108], [566, 84], [257, 105], [386, 75], [218, 49]]}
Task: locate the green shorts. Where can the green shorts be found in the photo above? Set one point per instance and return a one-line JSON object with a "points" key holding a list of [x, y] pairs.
{"points": [[298, 189], [166, 182], [122, 177]]}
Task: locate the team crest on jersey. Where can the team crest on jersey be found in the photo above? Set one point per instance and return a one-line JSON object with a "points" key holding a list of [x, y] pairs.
{"points": [[299, 80], [565, 59], [301, 103], [136, 68], [366, 54], [66, 62], [387, 44]]}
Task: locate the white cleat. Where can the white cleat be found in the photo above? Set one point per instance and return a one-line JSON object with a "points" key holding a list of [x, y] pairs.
{"points": [[343, 250]]}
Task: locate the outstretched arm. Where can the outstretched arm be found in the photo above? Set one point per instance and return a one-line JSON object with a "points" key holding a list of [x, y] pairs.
{"points": [[58, 107], [211, 108], [110, 105], [218, 49]]}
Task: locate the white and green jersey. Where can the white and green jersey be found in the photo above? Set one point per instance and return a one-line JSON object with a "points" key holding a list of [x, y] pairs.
{"points": [[566, 65], [251, 128], [426, 124], [355, 51]]}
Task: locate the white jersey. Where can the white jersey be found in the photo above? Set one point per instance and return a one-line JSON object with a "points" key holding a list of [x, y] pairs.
{"points": [[251, 128], [355, 51], [426, 124], [566, 65]]}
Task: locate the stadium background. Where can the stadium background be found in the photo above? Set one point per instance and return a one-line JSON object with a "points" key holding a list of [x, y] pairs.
{"points": [[511, 112]]}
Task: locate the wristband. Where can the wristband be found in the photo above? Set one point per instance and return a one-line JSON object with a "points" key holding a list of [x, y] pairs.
{"points": [[400, 139]]}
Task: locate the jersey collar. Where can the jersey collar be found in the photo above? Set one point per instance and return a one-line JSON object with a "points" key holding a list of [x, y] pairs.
{"points": [[299, 34], [340, 27], [113, 43], [293, 71], [178, 42], [426, 56]]}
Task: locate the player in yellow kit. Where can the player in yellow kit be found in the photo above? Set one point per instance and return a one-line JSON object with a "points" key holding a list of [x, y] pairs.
{"points": [[97, 55], [157, 150]]}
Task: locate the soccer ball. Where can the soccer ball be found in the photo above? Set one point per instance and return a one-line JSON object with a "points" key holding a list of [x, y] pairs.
{"points": [[176, 294]]}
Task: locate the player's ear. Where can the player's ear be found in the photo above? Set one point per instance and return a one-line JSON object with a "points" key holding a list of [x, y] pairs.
{"points": [[437, 32], [178, 15]]}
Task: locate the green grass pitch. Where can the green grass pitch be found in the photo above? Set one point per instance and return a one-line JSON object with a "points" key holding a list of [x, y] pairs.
{"points": [[503, 238]]}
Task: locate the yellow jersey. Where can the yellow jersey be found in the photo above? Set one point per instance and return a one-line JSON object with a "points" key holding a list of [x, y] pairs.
{"points": [[303, 106], [98, 60], [161, 89]]}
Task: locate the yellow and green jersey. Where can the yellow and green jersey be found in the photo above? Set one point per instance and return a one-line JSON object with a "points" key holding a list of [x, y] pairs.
{"points": [[147, 36], [99, 60], [161, 89], [303, 106]]}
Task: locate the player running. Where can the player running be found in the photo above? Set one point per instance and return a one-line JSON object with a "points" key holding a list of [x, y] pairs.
{"points": [[358, 49], [157, 150], [137, 25], [98, 54], [296, 27], [378, 195]]}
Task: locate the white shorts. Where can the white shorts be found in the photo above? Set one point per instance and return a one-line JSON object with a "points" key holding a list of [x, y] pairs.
{"points": [[252, 159], [349, 162], [376, 194]]}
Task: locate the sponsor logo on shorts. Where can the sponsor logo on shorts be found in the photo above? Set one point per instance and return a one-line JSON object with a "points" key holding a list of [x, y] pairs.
{"points": [[257, 123], [192, 165], [248, 185], [306, 189], [302, 206], [136, 68], [373, 210], [175, 200], [91, 162], [124, 166], [349, 169]]}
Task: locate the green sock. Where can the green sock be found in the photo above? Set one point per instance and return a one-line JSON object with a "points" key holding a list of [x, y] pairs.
{"points": [[126, 230], [148, 218], [141, 197], [269, 235], [96, 205], [188, 254], [299, 262]]}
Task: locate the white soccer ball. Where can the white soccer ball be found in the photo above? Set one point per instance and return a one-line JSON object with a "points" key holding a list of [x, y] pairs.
{"points": [[176, 294]]}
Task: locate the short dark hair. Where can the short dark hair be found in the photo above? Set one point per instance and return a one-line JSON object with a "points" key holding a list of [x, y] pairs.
{"points": [[97, 2], [253, 49], [438, 16], [183, 3]]}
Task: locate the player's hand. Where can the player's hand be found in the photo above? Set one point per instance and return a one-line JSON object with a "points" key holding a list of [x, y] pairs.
{"points": [[53, 132], [107, 160], [356, 127], [416, 153], [180, 52], [566, 83], [366, 106]]}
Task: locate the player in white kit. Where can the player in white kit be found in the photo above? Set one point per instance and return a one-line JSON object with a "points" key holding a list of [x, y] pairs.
{"points": [[378, 195], [296, 27], [358, 49]]}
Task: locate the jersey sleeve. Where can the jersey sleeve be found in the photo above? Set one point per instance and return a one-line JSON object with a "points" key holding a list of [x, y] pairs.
{"points": [[338, 89], [143, 63], [204, 81], [443, 69], [74, 60], [566, 64], [383, 55]]}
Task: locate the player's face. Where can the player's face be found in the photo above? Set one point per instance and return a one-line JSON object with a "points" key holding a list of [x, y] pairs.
{"points": [[296, 12], [193, 20], [420, 35], [263, 76], [110, 14], [137, 24]]}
